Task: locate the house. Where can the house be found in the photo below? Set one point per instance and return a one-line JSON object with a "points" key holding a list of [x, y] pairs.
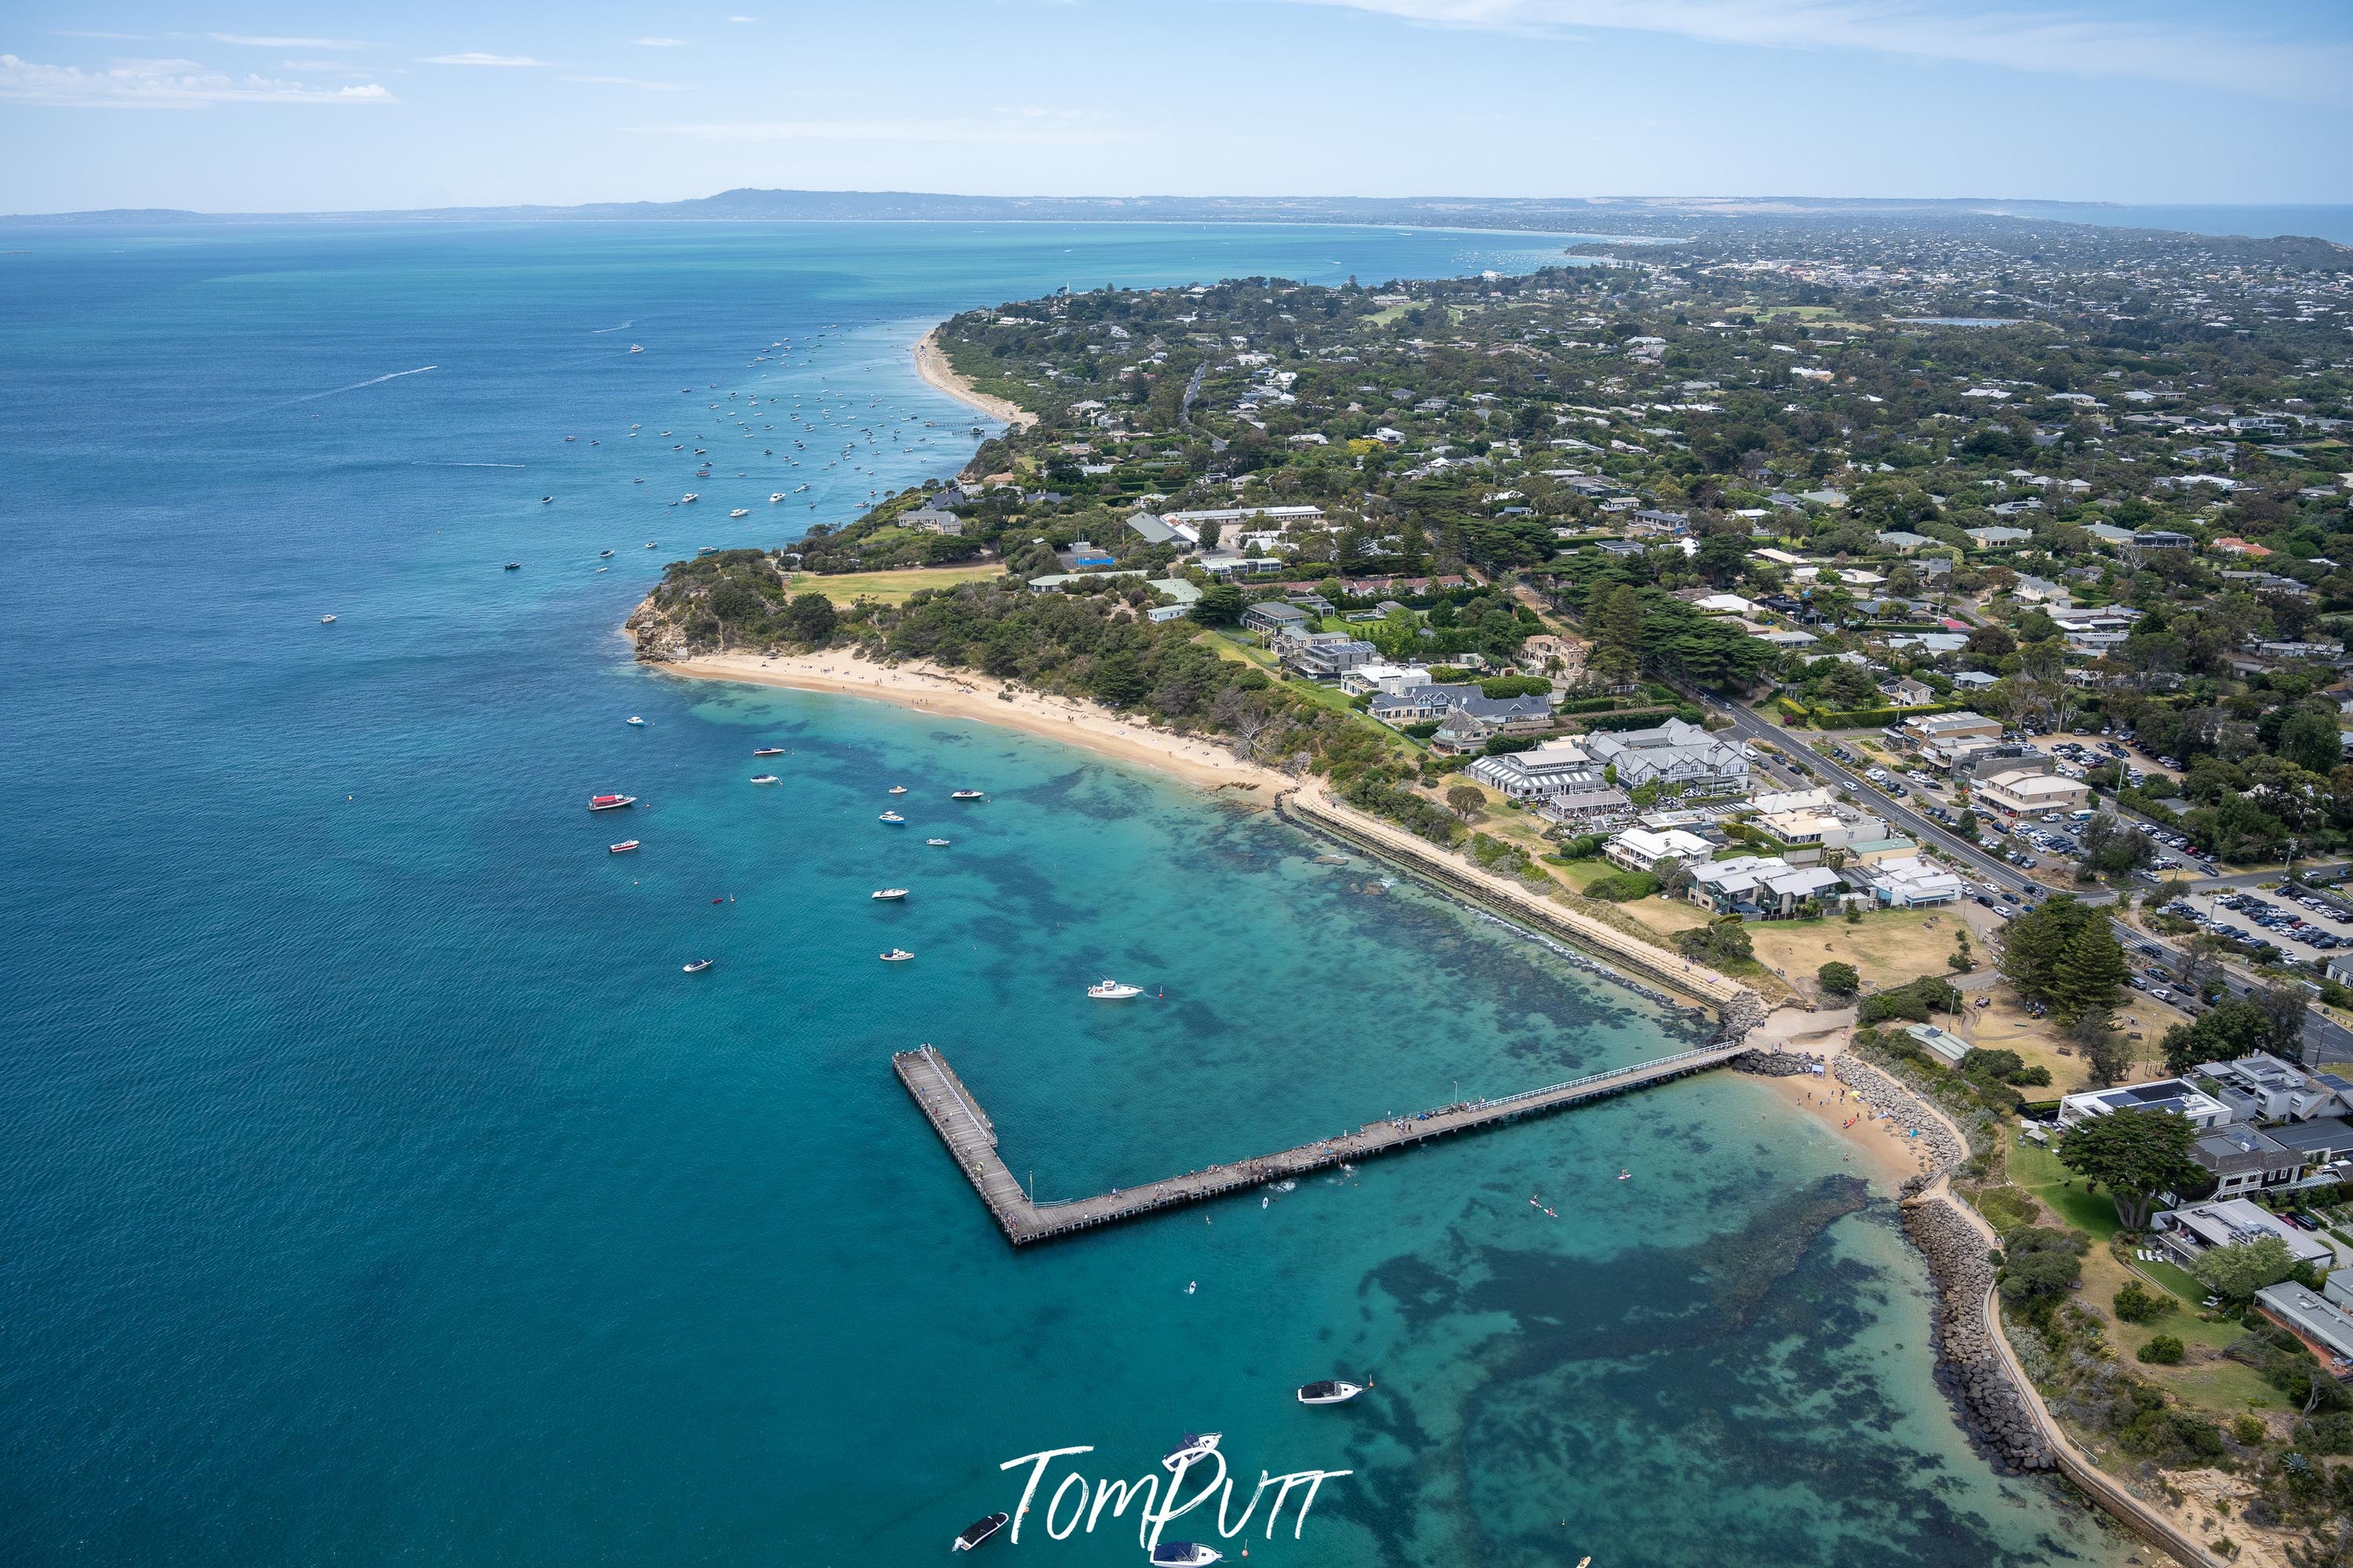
{"points": [[2231, 544], [2320, 1141], [1974, 681], [1055, 581], [2148, 538], [1322, 655], [1908, 883], [1226, 565], [2231, 1222], [1638, 848], [2109, 533], [1999, 538], [1555, 768], [1585, 809], [2177, 1095], [1272, 615], [1477, 719], [2263, 1087], [1682, 759], [1419, 704], [1758, 884], [1907, 694], [931, 519], [1386, 678], [2018, 795], [1789, 639], [1724, 605], [1821, 827], [1175, 589], [1151, 531], [2042, 591], [2326, 1328], [1902, 543], [2242, 1160]]}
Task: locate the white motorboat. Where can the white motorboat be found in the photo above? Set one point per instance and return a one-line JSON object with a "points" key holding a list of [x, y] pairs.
{"points": [[889, 893], [1110, 990], [689, 496], [897, 956], [637, 348], [775, 498], [937, 843], [636, 722], [891, 816], [1185, 1554], [1331, 1391], [764, 778], [698, 966], [326, 620], [1196, 1446], [966, 794], [741, 511], [898, 789]]}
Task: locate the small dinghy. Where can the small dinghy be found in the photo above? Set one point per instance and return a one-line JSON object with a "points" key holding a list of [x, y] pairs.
{"points": [[978, 1530]]}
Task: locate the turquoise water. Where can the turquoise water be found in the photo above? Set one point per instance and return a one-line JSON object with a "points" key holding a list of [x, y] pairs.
{"points": [[373, 1186]]}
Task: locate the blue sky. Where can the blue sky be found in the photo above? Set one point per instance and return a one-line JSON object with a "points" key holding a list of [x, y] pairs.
{"points": [[277, 107]]}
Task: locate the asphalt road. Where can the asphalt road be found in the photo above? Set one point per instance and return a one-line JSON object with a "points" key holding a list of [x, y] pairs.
{"points": [[2325, 1041]]}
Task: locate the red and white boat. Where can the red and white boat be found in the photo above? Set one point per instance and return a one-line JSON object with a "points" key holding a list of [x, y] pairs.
{"points": [[610, 802], [626, 846]]}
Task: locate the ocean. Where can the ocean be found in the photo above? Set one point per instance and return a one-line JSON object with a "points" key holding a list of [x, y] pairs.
{"points": [[375, 1187]]}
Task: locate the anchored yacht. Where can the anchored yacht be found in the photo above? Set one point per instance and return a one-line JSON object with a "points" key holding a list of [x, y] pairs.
{"points": [[978, 1530], [1110, 990], [1196, 1446], [1329, 1391], [1185, 1554], [888, 894]]}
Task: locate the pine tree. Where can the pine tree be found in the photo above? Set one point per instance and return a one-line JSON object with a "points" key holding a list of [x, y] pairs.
{"points": [[2087, 975], [1618, 621]]}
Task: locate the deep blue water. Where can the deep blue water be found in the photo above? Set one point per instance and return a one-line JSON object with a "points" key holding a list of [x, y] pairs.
{"points": [[374, 1188]]}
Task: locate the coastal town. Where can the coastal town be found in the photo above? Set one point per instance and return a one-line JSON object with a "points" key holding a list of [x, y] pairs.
{"points": [[1939, 636]]}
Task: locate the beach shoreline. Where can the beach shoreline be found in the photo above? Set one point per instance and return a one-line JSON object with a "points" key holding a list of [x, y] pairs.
{"points": [[966, 694], [934, 367]]}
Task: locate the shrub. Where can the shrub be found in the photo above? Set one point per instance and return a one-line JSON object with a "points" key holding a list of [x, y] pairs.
{"points": [[2134, 1305], [1838, 979], [2165, 1349], [2040, 1265], [1622, 888], [2250, 1430], [1916, 1001]]}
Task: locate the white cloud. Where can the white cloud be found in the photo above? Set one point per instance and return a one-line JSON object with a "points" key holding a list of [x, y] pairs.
{"points": [[742, 18], [290, 43], [627, 81], [659, 43], [163, 84], [476, 58], [2052, 40], [1028, 129]]}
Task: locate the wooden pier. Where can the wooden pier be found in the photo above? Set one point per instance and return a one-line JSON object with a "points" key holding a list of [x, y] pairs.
{"points": [[971, 1138]]}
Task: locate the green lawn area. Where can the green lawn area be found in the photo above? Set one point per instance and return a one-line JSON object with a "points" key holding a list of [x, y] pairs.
{"points": [[2178, 1279], [1583, 874], [2039, 1171], [890, 587]]}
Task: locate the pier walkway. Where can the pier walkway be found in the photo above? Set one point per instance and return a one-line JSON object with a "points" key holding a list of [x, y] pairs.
{"points": [[971, 1138]]}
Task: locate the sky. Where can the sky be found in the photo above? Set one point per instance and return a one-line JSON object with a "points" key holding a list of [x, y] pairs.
{"points": [[240, 106]]}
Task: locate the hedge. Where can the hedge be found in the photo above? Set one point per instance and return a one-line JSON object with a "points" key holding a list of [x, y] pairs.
{"points": [[1649, 718], [1879, 718], [1587, 705]]}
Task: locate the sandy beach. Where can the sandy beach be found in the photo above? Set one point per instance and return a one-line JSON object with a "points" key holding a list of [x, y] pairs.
{"points": [[934, 367], [964, 694], [1885, 1158]]}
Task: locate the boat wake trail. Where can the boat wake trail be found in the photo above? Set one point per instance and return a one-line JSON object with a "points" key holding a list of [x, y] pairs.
{"points": [[599, 331], [334, 391], [421, 463]]}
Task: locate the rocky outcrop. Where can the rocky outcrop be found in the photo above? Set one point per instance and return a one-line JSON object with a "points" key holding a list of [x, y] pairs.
{"points": [[1738, 1015], [658, 638], [1991, 1405], [1775, 1064]]}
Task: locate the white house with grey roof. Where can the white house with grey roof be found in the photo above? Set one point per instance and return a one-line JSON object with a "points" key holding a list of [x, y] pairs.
{"points": [[1682, 759]]}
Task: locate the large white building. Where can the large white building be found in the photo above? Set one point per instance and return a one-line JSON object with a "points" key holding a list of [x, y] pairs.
{"points": [[1638, 848], [2178, 1095], [1555, 768], [1911, 884]]}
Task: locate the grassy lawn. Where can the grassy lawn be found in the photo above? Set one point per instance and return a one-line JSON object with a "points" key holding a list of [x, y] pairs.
{"points": [[890, 587], [1888, 948]]}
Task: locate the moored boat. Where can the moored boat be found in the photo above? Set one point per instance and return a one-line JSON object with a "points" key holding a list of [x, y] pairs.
{"points": [[898, 789], [764, 778], [626, 846], [1330, 1391], [897, 956], [610, 802], [891, 816], [767, 750], [1196, 1446], [1110, 990], [978, 1530], [326, 620], [636, 722], [1185, 1554], [967, 794], [741, 511], [889, 893], [698, 966], [937, 843]]}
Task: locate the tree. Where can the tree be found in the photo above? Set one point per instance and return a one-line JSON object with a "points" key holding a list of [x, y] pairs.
{"points": [[1221, 605], [2134, 1305], [2063, 956], [2310, 741], [2236, 1272], [2234, 1028], [2136, 1154], [2284, 1006], [810, 617], [2106, 1055], [2039, 1266], [1838, 979], [1465, 799], [2162, 1350]]}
